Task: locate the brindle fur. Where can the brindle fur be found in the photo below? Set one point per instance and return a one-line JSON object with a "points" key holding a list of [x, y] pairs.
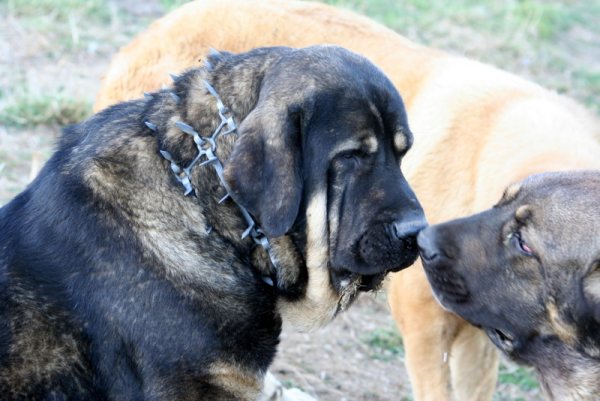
{"points": [[115, 286], [527, 271]]}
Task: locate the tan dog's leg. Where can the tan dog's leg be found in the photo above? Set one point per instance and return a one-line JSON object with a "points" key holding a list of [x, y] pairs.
{"points": [[473, 365], [438, 342], [427, 332]]}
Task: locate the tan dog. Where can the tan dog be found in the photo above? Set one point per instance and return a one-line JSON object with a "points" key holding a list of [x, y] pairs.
{"points": [[527, 271], [477, 129]]}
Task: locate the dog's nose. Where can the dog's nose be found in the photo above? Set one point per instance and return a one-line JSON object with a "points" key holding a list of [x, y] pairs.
{"points": [[427, 248], [408, 229]]}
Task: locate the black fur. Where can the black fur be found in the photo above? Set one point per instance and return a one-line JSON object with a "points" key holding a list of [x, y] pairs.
{"points": [[112, 287]]}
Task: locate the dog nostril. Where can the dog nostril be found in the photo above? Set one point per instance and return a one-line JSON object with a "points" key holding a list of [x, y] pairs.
{"points": [[408, 229], [427, 248], [428, 255]]}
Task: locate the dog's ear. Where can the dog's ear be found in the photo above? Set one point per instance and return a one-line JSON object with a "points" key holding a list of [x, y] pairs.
{"points": [[591, 288], [264, 170]]}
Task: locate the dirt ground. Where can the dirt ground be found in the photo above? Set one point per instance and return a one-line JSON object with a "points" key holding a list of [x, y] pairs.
{"points": [[358, 357]]}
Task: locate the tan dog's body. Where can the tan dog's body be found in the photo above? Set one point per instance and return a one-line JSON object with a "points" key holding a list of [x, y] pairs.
{"points": [[477, 129]]}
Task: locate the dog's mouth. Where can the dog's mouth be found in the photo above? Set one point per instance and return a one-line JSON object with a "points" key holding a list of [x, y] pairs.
{"points": [[342, 279], [348, 285], [502, 339]]}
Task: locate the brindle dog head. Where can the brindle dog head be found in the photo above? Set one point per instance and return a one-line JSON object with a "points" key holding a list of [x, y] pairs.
{"points": [[329, 125], [527, 271], [321, 136]]}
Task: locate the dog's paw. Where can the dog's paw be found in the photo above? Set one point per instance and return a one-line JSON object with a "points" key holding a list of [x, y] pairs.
{"points": [[273, 390], [295, 394]]}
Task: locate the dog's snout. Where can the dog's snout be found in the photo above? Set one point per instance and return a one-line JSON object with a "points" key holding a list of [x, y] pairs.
{"points": [[427, 247], [403, 230]]}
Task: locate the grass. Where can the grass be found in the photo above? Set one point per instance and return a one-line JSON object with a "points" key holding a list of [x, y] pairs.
{"points": [[169, 5], [62, 23], [60, 10], [513, 381], [519, 376], [552, 42], [385, 343], [28, 108]]}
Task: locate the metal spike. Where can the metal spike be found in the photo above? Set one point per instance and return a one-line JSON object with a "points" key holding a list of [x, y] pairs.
{"points": [[148, 96], [151, 125], [210, 89], [224, 198], [166, 155], [175, 97], [176, 169], [188, 129], [268, 280], [185, 181], [247, 231], [174, 77]]}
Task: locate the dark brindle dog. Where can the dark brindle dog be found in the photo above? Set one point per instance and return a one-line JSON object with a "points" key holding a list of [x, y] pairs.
{"points": [[528, 272], [116, 286]]}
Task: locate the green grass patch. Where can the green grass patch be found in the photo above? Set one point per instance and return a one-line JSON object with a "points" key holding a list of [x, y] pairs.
{"points": [[542, 18], [169, 5], [518, 376], [58, 10], [552, 42], [62, 26], [28, 109], [385, 343]]}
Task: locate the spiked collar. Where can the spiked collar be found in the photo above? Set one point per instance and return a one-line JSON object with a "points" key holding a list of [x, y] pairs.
{"points": [[206, 147]]}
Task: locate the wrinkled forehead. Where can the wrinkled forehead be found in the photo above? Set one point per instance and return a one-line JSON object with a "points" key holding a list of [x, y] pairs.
{"points": [[364, 122], [565, 210], [556, 188]]}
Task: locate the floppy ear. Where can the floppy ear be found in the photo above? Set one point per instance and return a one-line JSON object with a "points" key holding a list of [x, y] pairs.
{"points": [[264, 169]]}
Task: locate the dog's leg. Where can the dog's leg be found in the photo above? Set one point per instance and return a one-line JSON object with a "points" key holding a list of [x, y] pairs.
{"points": [[428, 333], [473, 365], [272, 389]]}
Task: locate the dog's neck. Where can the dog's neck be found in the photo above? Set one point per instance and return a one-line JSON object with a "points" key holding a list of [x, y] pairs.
{"points": [[191, 106]]}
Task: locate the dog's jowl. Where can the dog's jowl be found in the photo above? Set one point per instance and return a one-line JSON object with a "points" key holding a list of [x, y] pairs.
{"points": [[527, 271], [160, 248]]}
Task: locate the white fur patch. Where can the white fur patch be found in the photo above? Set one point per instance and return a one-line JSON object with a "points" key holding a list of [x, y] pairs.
{"points": [[348, 145], [371, 144], [400, 141]]}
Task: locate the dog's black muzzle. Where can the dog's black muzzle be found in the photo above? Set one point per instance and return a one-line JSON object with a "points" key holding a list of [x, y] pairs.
{"points": [[390, 247]]}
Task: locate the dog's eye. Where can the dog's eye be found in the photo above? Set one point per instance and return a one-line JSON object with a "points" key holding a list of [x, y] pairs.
{"points": [[520, 244], [353, 156]]}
